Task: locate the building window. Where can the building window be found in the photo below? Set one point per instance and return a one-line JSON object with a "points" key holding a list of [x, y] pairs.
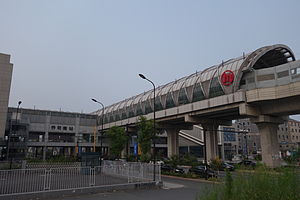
{"points": [[52, 127], [65, 128], [70, 128], [58, 127]]}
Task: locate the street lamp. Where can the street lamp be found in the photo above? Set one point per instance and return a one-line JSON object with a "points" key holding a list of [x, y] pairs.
{"points": [[101, 134], [153, 139], [9, 136]]}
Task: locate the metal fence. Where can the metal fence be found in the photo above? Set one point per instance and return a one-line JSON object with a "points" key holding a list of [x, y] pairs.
{"points": [[23, 181]]}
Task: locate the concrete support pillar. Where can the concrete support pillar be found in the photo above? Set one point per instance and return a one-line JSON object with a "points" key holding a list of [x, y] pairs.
{"points": [[173, 142], [269, 144], [211, 141], [267, 127]]}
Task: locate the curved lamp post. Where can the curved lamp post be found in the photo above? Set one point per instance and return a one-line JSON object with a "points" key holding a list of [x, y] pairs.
{"points": [[15, 132], [101, 134], [153, 139]]}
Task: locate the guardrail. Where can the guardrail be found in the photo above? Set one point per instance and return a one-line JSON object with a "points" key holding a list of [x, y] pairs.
{"points": [[23, 181]]}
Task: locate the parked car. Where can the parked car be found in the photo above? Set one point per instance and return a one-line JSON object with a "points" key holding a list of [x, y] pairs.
{"points": [[227, 166], [169, 168], [203, 171], [248, 163]]}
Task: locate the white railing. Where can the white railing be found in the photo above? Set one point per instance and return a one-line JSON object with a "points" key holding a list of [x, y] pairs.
{"points": [[134, 170], [23, 181]]}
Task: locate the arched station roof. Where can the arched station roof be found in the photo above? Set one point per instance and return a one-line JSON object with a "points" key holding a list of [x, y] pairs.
{"points": [[200, 85]]}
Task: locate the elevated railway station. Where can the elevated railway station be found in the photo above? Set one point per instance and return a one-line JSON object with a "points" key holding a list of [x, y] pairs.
{"points": [[263, 85]]}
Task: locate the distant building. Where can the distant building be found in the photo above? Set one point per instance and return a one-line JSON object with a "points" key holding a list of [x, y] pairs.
{"points": [[289, 136], [6, 69], [243, 138], [43, 133]]}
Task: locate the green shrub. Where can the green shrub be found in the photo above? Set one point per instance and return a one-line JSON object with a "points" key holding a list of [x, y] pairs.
{"points": [[216, 164], [186, 159]]}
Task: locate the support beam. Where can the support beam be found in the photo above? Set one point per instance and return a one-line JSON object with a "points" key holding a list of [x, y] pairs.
{"points": [[248, 110], [197, 120]]}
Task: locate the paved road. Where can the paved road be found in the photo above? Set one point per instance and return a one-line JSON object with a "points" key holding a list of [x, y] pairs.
{"points": [[173, 189]]}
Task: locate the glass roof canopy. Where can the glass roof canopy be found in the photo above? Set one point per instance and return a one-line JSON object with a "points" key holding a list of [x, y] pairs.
{"points": [[199, 85]]}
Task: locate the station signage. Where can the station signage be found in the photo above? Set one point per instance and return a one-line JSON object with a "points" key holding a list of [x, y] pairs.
{"points": [[227, 77]]}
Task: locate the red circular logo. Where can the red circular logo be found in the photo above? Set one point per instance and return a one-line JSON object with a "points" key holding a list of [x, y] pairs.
{"points": [[227, 77]]}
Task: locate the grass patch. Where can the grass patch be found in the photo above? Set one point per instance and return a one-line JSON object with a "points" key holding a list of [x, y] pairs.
{"points": [[260, 185]]}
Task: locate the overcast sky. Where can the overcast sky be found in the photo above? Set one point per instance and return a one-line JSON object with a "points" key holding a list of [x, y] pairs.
{"points": [[66, 52]]}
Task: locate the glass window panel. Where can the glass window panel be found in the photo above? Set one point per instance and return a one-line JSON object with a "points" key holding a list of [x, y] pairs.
{"points": [[105, 119], [198, 93], [130, 112], [148, 108], [111, 118], [215, 88], [158, 105], [117, 116], [182, 99], [170, 102], [139, 110], [123, 114]]}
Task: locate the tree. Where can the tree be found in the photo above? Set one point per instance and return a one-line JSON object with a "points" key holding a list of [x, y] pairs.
{"points": [[118, 140], [146, 135]]}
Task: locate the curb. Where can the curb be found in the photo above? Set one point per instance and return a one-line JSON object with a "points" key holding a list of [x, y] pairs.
{"points": [[192, 179], [55, 194]]}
